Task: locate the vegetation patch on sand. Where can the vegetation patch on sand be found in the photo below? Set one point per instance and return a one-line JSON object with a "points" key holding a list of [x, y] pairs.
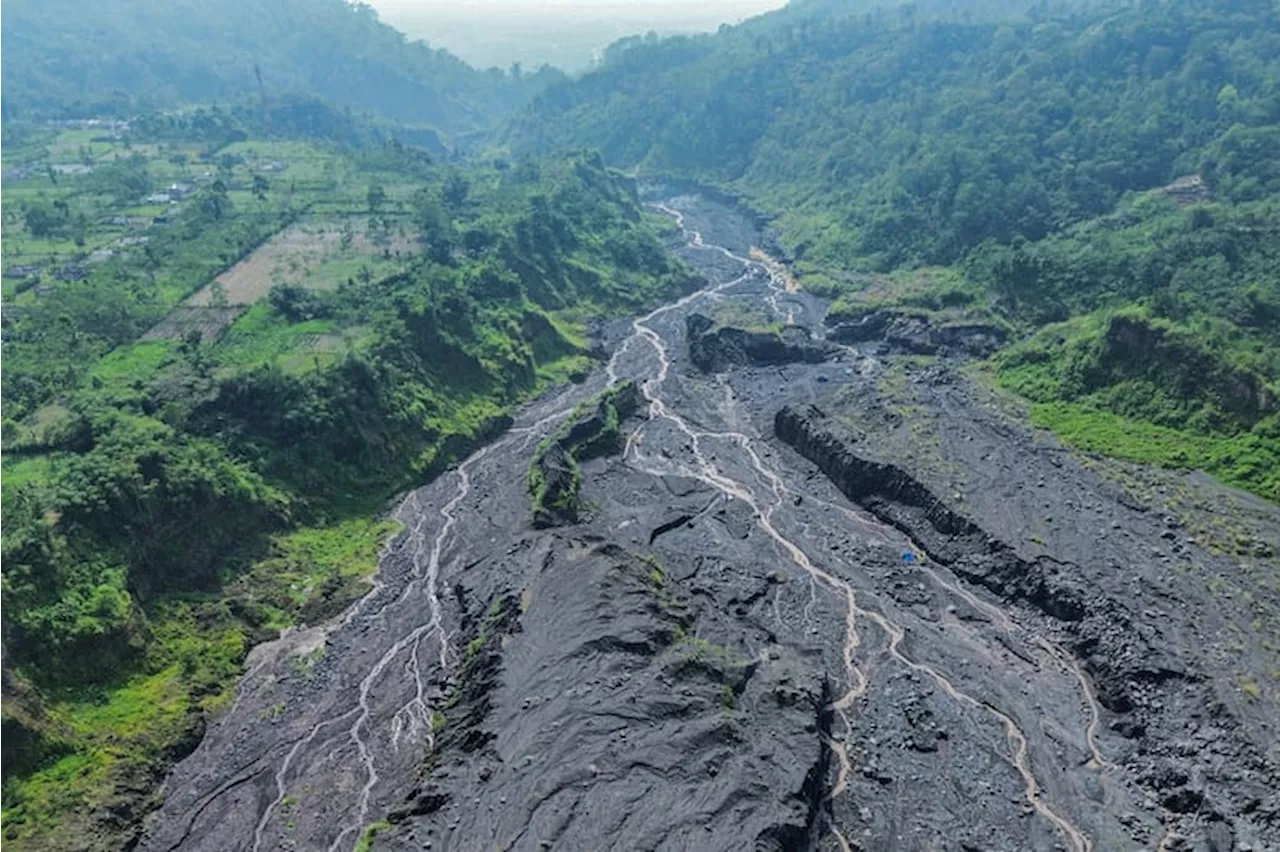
{"points": [[592, 430]]}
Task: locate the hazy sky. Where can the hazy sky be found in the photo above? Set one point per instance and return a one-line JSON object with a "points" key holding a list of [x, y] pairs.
{"points": [[566, 33], [734, 7]]}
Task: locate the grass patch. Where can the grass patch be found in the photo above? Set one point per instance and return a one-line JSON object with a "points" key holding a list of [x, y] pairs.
{"points": [[1250, 461], [737, 313], [17, 471], [1134, 386], [312, 573], [571, 368], [122, 731], [261, 336], [594, 429], [572, 327], [365, 843], [332, 272], [942, 294], [136, 361], [34, 803]]}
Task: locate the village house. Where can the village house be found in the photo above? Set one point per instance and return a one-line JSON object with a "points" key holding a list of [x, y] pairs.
{"points": [[23, 270], [72, 272]]}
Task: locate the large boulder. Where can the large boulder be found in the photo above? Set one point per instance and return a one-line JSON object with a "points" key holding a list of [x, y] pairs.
{"points": [[917, 334], [714, 347]]}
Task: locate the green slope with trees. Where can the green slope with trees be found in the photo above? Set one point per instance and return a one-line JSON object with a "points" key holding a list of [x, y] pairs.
{"points": [[896, 144], [120, 56], [1029, 156], [171, 501]]}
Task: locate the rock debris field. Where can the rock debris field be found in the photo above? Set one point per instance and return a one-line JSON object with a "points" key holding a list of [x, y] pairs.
{"points": [[821, 596]]}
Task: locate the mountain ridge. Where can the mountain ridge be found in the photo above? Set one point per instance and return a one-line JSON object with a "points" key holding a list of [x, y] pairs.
{"points": [[125, 56]]}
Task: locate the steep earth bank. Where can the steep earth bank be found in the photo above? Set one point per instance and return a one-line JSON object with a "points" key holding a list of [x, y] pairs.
{"points": [[900, 623], [714, 347]]}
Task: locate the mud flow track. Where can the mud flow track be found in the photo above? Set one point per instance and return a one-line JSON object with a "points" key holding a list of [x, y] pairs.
{"points": [[309, 756], [764, 507]]}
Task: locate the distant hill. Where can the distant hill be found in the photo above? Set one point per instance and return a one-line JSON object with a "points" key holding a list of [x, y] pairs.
{"points": [[569, 34], [69, 57], [1105, 181], [920, 11], [878, 134]]}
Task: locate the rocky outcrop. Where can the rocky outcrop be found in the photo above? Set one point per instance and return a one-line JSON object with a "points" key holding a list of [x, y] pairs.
{"points": [[916, 334], [1145, 682], [1105, 634], [1186, 190], [714, 347], [594, 718], [1135, 347], [592, 431], [943, 533]]}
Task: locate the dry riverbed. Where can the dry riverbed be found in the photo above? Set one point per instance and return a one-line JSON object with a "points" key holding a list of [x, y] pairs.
{"points": [[850, 604]]}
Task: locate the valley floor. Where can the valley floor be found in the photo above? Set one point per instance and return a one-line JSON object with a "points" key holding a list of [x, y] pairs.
{"points": [[839, 605]]}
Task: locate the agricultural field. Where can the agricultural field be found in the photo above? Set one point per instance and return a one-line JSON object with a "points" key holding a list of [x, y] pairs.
{"points": [[260, 336], [206, 320], [316, 254], [211, 230], [133, 264], [81, 196], [76, 197]]}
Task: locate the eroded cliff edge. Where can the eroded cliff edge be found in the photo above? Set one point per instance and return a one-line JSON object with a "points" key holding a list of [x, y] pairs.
{"points": [[1118, 580]]}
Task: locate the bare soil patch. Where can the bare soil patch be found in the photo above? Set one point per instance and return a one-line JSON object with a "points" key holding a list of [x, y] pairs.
{"points": [[290, 256], [184, 319]]}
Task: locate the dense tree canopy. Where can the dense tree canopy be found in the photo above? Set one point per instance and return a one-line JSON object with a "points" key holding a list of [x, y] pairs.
{"points": [[152, 485], [883, 141]]}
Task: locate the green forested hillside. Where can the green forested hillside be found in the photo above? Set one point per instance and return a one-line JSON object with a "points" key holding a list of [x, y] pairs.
{"points": [[895, 144], [119, 56], [1016, 152], [905, 13], [191, 466]]}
